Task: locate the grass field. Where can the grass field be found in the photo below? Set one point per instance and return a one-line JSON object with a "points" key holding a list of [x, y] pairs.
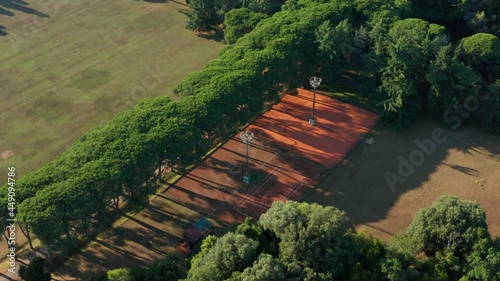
{"points": [[69, 65], [465, 165]]}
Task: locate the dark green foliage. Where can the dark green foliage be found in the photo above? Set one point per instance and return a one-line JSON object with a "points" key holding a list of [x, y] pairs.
{"points": [[447, 241], [410, 45], [314, 243], [481, 51], [34, 271], [265, 268], [239, 22], [165, 269], [451, 82], [268, 242], [232, 252], [370, 254], [264, 6], [311, 242], [398, 269], [207, 14], [448, 224], [374, 11], [439, 9], [103, 276], [483, 262], [311, 236], [329, 55], [491, 109], [203, 15]]}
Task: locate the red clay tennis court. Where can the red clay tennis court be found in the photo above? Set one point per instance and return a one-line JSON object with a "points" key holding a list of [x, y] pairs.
{"points": [[339, 127], [287, 154], [215, 187]]}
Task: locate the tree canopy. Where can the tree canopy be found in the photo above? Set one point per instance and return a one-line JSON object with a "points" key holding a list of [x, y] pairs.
{"points": [[299, 241]]}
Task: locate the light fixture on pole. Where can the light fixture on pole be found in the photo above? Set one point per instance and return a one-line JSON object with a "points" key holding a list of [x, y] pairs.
{"points": [[315, 82], [246, 137]]}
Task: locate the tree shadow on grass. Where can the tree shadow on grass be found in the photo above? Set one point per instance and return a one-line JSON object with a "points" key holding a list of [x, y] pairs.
{"points": [[465, 170], [2, 30], [7, 277], [165, 1], [6, 12], [20, 6], [359, 185], [215, 35]]}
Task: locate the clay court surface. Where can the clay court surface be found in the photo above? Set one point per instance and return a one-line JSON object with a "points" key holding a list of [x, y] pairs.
{"points": [[339, 127], [287, 155]]}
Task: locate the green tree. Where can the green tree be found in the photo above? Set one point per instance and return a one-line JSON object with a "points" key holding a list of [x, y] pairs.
{"points": [[448, 224], [232, 252], [203, 15], [439, 9], [102, 181], [451, 82], [328, 52], [311, 237], [239, 22], [395, 268], [370, 254], [34, 271], [483, 262], [411, 43], [119, 274], [57, 212], [372, 11], [265, 6], [491, 114], [265, 268], [481, 51], [165, 269]]}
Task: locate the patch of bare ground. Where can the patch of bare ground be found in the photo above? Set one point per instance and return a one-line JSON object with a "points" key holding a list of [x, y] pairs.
{"points": [[466, 164]]}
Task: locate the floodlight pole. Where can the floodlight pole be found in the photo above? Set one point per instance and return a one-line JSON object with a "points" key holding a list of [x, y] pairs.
{"points": [[246, 165], [315, 82], [246, 137]]}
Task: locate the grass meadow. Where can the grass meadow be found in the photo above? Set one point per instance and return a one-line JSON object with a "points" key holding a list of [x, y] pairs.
{"points": [[67, 66]]}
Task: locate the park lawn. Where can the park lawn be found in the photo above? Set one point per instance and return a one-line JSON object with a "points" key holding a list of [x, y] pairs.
{"points": [[69, 66], [465, 165]]}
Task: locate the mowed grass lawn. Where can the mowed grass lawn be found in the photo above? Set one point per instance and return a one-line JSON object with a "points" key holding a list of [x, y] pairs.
{"points": [[68, 66], [466, 165]]}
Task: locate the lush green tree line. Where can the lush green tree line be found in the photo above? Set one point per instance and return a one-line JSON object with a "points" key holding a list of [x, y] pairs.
{"points": [[446, 241], [415, 69], [208, 14], [69, 196], [413, 65], [165, 269], [299, 241]]}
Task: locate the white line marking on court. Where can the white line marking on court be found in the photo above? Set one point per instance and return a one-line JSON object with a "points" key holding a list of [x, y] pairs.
{"points": [[256, 189], [298, 185]]}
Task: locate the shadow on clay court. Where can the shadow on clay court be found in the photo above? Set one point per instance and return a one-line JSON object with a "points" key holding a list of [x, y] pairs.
{"points": [[162, 216], [155, 230]]}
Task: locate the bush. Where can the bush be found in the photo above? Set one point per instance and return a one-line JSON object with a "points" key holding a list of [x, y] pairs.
{"points": [[35, 271]]}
